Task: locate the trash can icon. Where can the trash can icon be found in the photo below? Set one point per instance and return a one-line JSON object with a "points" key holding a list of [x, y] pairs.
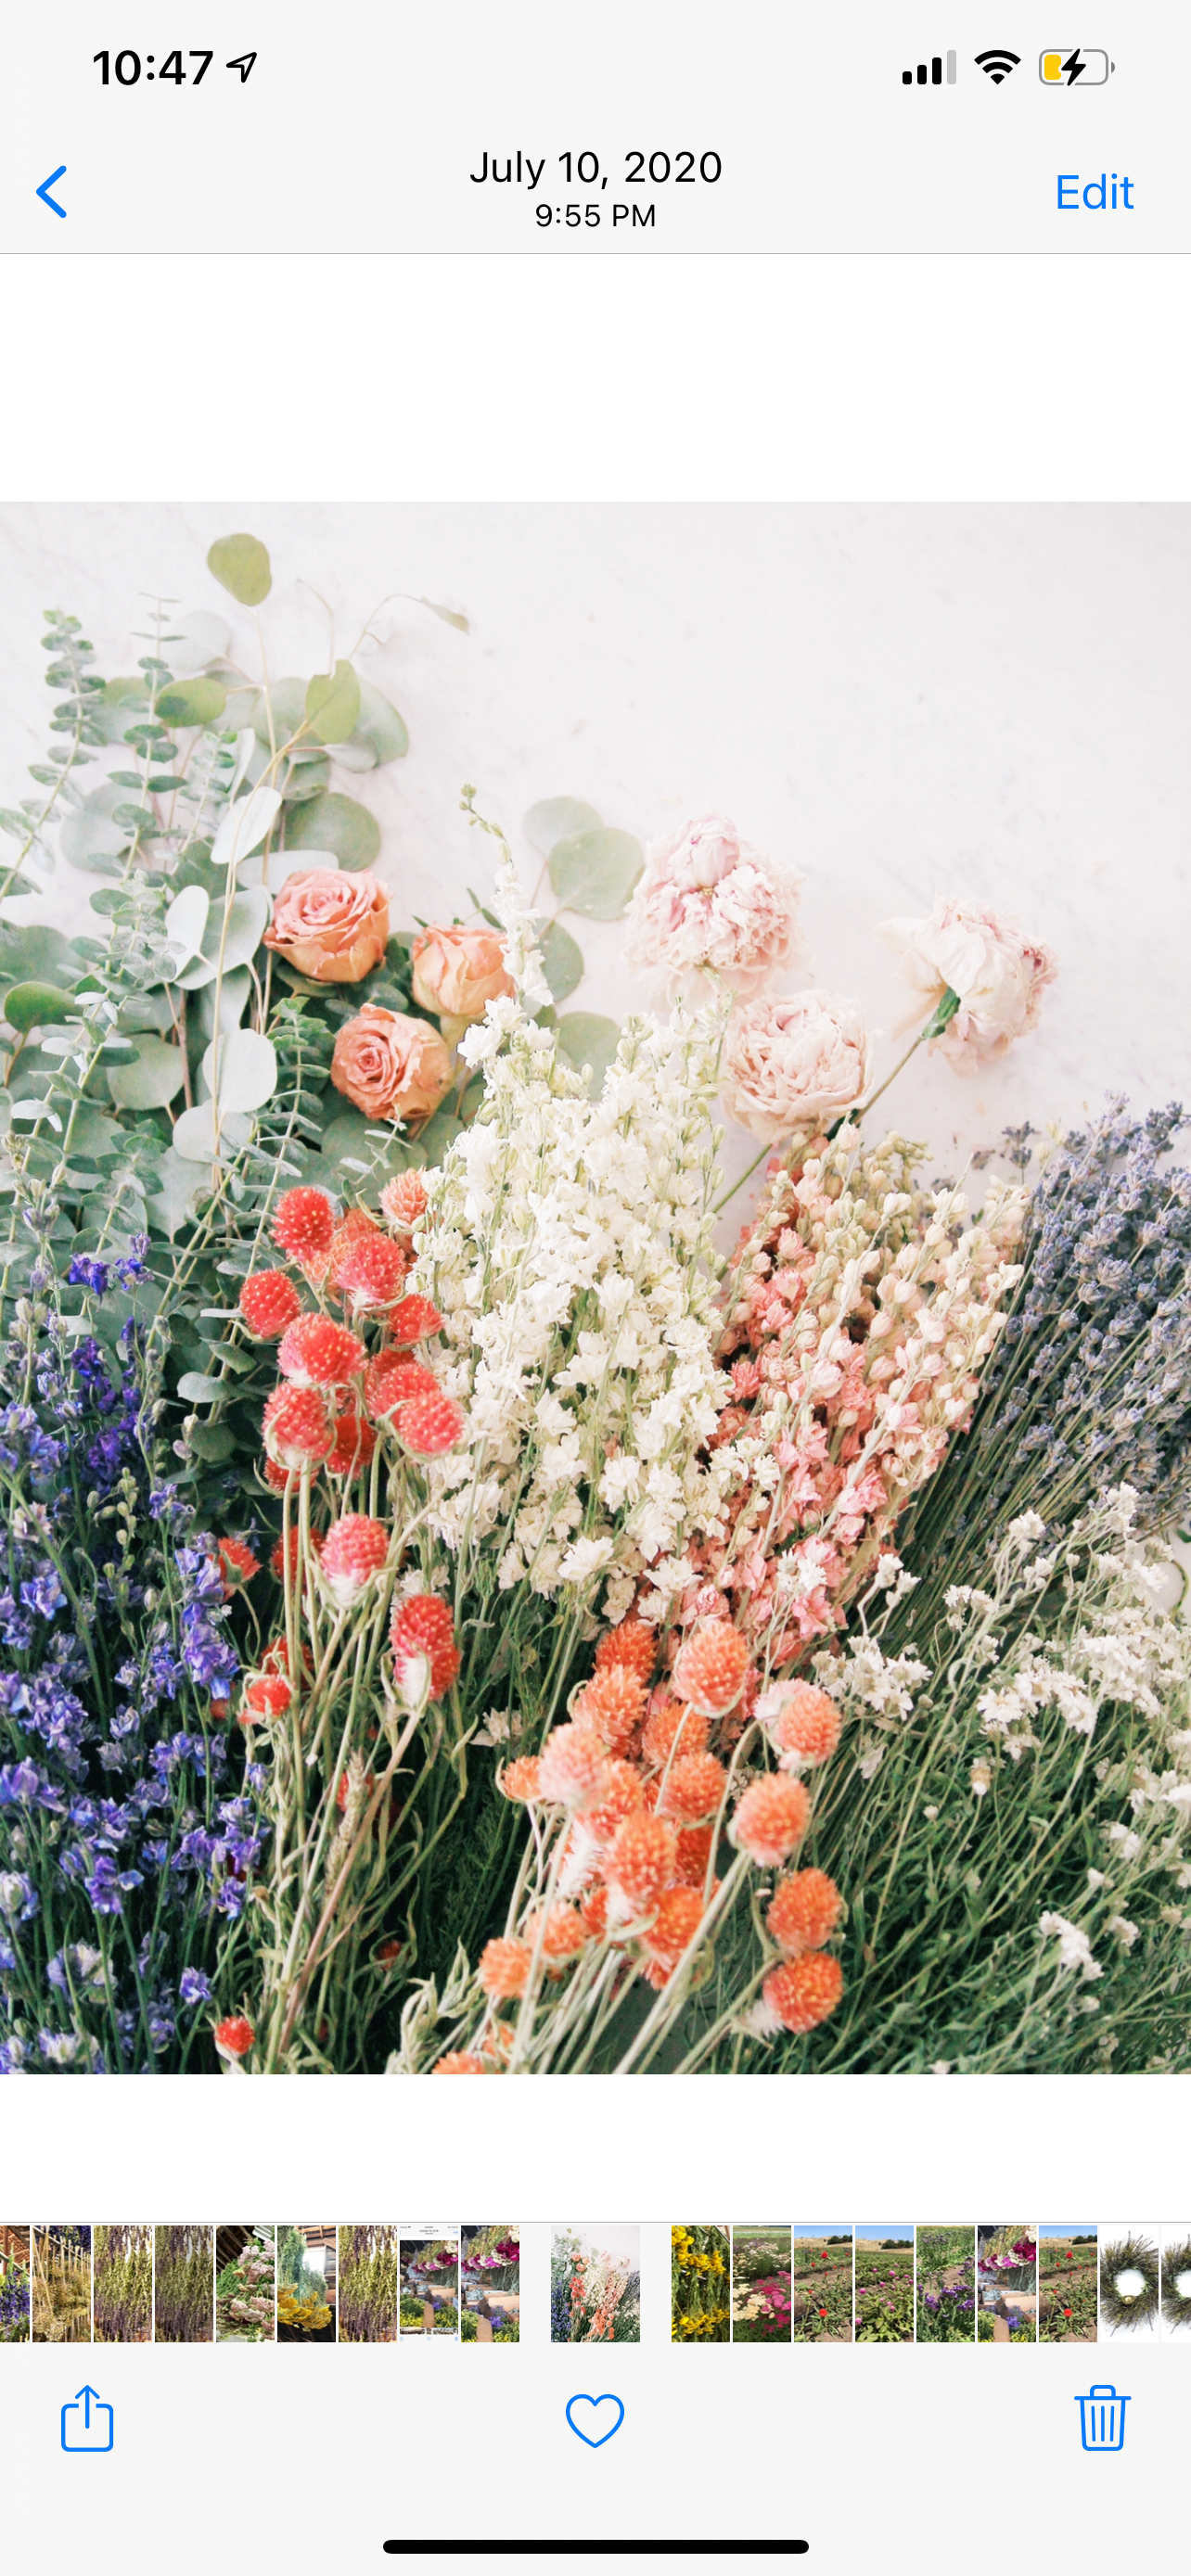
{"points": [[1102, 2420]]}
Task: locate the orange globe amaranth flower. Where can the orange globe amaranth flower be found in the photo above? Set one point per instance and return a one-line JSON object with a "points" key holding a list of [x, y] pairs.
{"points": [[710, 1667], [772, 1817], [304, 1223], [563, 1932], [392, 1379], [521, 1779], [355, 1443], [237, 1564], [504, 1969], [640, 1862], [803, 1911], [268, 1302], [414, 1320], [672, 1726], [802, 1992], [267, 1695], [593, 1907], [612, 1704], [458, 2061], [692, 1855], [316, 1352], [680, 1912], [692, 1789], [404, 1201], [429, 1425], [354, 1552], [299, 1432], [371, 1274], [235, 2036], [277, 1557], [574, 1770], [423, 1628], [804, 1721], [622, 1798], [632, 1644]]}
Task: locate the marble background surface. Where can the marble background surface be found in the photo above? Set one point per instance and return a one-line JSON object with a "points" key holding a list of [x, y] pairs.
{"points": [[901, 702]]}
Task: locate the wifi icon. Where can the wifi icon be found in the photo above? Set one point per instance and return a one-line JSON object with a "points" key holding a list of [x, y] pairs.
{"points": [[998, 62]]}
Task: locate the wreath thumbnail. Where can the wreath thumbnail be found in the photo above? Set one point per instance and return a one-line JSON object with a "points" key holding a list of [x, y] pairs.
{"points": [[1123, 2307], [1176, 2267]]}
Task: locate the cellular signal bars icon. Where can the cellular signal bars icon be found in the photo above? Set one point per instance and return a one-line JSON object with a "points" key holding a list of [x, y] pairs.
{"points": [[932, 72]]}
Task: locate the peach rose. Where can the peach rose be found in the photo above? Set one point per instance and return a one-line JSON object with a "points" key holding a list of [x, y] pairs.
{"points": [[390, 1066], [458, 972], [329, 926]]}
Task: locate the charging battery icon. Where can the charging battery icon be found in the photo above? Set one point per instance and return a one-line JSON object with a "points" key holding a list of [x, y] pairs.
{"points": [[1062, 67]]}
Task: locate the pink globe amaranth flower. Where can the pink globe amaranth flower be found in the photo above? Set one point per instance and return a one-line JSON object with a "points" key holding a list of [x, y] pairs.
{"points": [[640, 1864], [404, 1201], [983, 956], [771, 1819], [710, 1667], [802, 1723], [330, 924], [457, 972], [298, 1428], [268, 1302], [795, 1063], [504, 1969], [710, 902], [353, 1554], [429, 1425], [304, 1223], [316, 1352], [803, 1911], [574, 1770]]}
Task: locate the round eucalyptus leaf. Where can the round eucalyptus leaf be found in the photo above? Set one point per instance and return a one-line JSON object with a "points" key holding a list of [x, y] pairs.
{"points": [[354, 755], [379, 728], [245, 1073], [244, 826], [590, 1042], [247, 922], [34, 954], [90, 833], [200, 701], [117, 706], [38, 1006], [194, 1133], [184, 924], [333, 822], [287, 701], [333, 704], [595, 872], [562, 960], [558, 818], [195, 639], [233, 995], [195, 1388], [241, 564], [283, 864], [152, 1078], [177, 1184], [214, 1441], [307, 773]]}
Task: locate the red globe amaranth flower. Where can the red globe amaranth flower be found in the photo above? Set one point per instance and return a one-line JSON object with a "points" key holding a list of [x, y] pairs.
{"points": [[237, 1564], [640, 1863], [423, 1629], [710, 1667], [221, 1710], [354, 1552], [458, 2061], [366, 1785], [235, 2036], [802, 1992], [316, 1352], [371, 1274], [403, 1202], [414, 1320], [772, 1817], [632, 1644], [803, 1911], [277, 1556], [692, 1789], [267, 1695], [298, 1429], [392, 1379], [355, 1442], [268, 1302], [504, 1969], [275, 1477], [304, 1223], [429, 1425], [355, 1226]]}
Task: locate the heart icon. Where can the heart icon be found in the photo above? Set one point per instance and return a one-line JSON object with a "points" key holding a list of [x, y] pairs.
{"points": [[593, 2404]]}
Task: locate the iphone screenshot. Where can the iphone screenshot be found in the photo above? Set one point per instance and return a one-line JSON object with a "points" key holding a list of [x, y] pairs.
{"points": [[595, 1285]]}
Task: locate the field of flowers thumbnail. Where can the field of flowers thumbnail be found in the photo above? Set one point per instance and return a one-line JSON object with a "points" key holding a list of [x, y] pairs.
{"points": [[700, 2278], [885, 2282], [429, 2293], [14, 2284], [821, 2284], [945, 2284], [61, 2285], [245, 2270], [761, 2258], [1006, 2282], [1068, 2284], [490, 2284], [595, 2285], [123, 2294]]}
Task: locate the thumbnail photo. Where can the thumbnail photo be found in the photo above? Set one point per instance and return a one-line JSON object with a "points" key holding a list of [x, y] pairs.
{"points": [[245, 2284], [821, 2292], [1131, 2280], [14, 2284], [1006, 2283], [595, 2285], [595, 1296], [885, 2281], [122, 2290], [490, 2284], [761, 2284], [306, 2283], [700, 2285], [428, 2258], [1068, 2283], [183, 2284], [945, 2284], [60, 2285]]}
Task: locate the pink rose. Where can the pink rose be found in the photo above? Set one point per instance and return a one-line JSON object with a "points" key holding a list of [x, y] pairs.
{"points": [[458, 972], [390, 1066], [793, 1063], [709, 902], [329, 926], [999, 975]]}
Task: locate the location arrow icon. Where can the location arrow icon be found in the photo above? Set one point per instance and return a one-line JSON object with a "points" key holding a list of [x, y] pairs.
{"points": [[44, 191]]}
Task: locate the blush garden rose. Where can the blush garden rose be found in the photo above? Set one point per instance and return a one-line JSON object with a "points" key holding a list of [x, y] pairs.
{"points": [[330, 926], [391, 1066]]}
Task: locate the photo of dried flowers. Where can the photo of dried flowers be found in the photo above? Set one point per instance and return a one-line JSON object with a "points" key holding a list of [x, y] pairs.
{"points": [[1006, 2282], [761, 2293], [821, 2287], [61, 2285], [595, 2285], [14, 2284], [1176, 2278], [306, 2283], [1130, 2279], [430, 2281], [728, 1213], [183, 2284], [700, 2285], [1068, 2282], [369, 2284], [945, 2284], [490, 2284], [885, 2281], [245, 2282], [122, 2290]]}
